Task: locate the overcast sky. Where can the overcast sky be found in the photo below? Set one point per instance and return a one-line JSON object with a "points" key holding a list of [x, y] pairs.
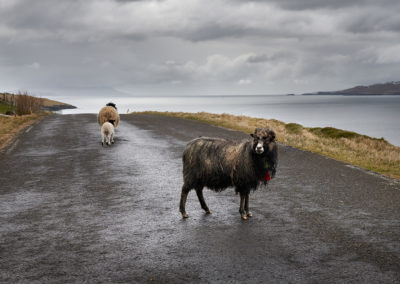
{"points": [[194, 47]]}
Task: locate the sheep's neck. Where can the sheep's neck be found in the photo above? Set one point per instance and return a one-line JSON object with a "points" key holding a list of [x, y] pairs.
{"points": [[261, 164]]}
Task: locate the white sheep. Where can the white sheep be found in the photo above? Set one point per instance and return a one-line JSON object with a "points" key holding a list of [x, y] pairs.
{"points": [[108, 113], [107, 133]]}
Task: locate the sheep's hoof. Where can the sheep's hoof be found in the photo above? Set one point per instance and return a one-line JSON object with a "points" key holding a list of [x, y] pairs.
{"points": [[244, 217], [184, 215], [249, 214], [208, 212]]}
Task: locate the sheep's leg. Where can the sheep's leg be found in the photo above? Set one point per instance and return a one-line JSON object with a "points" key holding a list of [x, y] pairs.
{"points": [[184, 194], [246, 206], [102, 138], [203, 204], [112, 138], [241, 208]]}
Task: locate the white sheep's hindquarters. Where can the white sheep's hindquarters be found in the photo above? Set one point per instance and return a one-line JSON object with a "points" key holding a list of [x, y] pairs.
{"points": [[108, 114], [107, 133]]}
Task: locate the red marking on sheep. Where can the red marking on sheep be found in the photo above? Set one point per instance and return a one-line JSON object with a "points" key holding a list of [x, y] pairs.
{"points": [[267, 176]]}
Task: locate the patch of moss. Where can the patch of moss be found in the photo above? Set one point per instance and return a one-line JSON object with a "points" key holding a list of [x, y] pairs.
{"points": [[4, 107], [294, 128], [334, 133]]}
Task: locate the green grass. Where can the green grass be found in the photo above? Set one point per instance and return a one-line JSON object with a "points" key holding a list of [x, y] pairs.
{"points": [[4, 107], [333, 133], [294, 128]]}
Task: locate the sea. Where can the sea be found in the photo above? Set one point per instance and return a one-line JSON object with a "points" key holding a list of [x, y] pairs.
{"points": [[375, 116]]}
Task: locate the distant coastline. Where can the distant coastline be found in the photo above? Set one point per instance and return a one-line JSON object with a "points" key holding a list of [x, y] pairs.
{"points": [[8, 102], [385, 89], [346, 94], [58, 107]]}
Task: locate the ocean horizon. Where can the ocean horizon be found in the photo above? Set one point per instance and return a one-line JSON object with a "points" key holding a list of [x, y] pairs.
{"points": [[375, 116]]}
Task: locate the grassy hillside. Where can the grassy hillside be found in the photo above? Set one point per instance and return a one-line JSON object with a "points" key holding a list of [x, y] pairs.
{"points": [[7, 99], [369, 153], [390, 88]]}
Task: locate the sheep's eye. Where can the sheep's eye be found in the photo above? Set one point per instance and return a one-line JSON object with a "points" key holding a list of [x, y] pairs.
{"points": [[264, 137]]}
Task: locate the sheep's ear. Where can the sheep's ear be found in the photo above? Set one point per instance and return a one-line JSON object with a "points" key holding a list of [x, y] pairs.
{"points": [[272, 134]]}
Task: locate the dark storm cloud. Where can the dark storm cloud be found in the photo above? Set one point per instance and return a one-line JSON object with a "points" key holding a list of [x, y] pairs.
{"points": [[373, 20], [323, 4], [41, 15], [316, 4], [258, 58], [127, 1], [264, 46], [211, 31]]}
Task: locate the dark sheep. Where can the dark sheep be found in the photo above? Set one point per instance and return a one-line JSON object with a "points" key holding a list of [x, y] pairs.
{"points": [[219, 163]]}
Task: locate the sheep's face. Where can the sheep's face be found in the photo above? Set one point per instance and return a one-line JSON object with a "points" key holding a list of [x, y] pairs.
{"points": [[264, 140], [111, 105]]}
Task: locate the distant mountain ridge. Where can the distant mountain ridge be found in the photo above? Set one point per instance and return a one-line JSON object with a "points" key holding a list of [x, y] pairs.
{"points": [[390, 88]]}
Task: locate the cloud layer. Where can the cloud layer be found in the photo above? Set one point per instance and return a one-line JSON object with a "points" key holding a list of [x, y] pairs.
{"points": [[197, 47]]}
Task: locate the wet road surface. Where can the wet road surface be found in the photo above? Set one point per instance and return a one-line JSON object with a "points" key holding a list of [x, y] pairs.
{"points": [[72, 211]]}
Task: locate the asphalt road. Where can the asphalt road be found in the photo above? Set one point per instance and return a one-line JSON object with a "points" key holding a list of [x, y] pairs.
{"points": [[72, 211]]}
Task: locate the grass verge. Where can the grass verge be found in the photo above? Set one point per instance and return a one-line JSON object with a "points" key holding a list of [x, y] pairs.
{"points": [[373, 154], [12, 125], [4, 107]]}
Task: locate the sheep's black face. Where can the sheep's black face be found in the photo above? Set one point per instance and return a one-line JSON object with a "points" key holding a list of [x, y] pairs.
{"points": [[264, 140], [111, 105]]}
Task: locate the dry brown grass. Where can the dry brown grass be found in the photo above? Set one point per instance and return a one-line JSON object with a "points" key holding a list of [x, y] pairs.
{"points": [[369, 153], [27, 104], [9, 98], [11, 125]]}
